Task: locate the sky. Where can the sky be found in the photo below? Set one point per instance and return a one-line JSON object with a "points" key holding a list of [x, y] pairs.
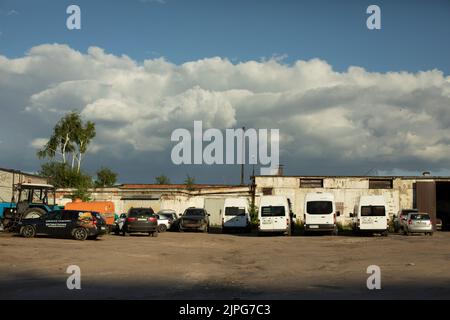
{"points": [[347, 100]]}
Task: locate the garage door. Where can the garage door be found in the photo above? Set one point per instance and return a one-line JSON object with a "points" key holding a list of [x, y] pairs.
{"points": [[154, 204], [426, 198], [214, 207]]}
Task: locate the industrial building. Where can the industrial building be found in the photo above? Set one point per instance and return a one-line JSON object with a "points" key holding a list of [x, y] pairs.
{"points": [[9, 177], [427, 193]]}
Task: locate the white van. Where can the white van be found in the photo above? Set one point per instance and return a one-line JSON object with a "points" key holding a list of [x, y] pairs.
{"points": [[371, 215], [274, 215], [235, 214], [320, 212]]}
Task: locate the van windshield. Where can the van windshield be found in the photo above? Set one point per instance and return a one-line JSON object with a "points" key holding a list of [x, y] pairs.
{"points": [[234, 211], [272, 211], [373, 211], [319, 207]]}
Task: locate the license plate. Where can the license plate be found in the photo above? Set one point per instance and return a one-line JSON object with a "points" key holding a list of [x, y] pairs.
{"points": [[102, 228], [142, 219], [266, 222], [314, 227]]}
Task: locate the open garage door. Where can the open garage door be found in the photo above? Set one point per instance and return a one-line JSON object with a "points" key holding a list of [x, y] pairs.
{"points": [[443, 203], [426, 198]]}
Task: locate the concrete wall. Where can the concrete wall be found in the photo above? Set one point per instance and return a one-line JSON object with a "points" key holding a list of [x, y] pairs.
{"points": [[6, 181]]}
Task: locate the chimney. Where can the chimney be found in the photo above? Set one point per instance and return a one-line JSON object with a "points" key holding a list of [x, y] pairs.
{"points": [[280, 170]]}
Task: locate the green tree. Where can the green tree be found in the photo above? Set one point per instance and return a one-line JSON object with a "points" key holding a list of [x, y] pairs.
{"points": [[189, 182], [105, 178], [70, 137], [162, 179]]}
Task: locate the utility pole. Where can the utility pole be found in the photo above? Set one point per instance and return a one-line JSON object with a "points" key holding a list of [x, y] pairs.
{"points": [[243, 156]]}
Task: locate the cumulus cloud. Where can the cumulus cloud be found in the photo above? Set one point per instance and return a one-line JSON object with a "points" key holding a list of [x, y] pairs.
{"points": [[353, 119]]}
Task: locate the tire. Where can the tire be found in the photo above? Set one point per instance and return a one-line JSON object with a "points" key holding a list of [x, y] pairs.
{"points": [[31, 213], [289, 232], [93, 237], [154, 234], [162, 228], [205, 229], [385, 233], [116, 232], [80, 234], [28, 232]]}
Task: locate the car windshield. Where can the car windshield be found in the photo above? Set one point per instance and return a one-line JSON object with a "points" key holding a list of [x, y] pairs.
{"points": [[420, 216], [272, 211], [135, 213], [234, 211], [319, 207], [195, 212], [373, 211]]}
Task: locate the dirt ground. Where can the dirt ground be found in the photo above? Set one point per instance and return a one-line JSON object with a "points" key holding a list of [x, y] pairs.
{"points": [[226, 266]]}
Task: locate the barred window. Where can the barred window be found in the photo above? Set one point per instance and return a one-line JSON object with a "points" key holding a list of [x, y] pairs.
{"points": [[311, 183]]}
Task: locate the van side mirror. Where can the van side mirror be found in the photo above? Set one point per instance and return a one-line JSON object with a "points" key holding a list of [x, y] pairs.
{"points": [[351, 215], [338, 213]]}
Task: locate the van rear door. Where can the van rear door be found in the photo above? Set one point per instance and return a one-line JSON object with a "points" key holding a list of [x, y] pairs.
{"points": [[273, 218], [235, 217], [319, 212], [373, 217]]}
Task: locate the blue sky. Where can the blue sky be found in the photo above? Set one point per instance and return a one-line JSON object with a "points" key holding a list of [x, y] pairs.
{"points": [[415, 34], [283, 64]]}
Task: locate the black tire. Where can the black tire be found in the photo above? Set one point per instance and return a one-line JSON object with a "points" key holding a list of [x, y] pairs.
{"points": [[33, 213], [154, 234], [80, 234], [162, 228], [116, 232], [28, 232], [93, 237], [205, 229]]}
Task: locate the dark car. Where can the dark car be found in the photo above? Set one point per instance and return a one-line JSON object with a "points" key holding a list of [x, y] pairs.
{"points": [[80, 225], [194, 219], [141, 220]]}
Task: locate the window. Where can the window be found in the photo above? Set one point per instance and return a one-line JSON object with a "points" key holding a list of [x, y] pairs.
{"points": [[134, 213], [311, 183], [319, 207], [234, 211], [272, 211], [267, 191], [380, 183], [373, 211], [419, 216]]}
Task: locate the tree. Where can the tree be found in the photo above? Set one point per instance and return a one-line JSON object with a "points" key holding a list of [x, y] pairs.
{"points": [[70, 137], [105, 178], [162, 179], [62, 175], [189, 182]]}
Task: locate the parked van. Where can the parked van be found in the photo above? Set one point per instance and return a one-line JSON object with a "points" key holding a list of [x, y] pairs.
{"points": [[274, 215], [235, 215], [320, 212], [371, 215]]}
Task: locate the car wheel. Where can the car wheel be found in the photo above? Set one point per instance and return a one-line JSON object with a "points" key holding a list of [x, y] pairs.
{"points": [[80, 234], [205, 229], [162, 228], [155, 234], [28, 232], [93, 237]]}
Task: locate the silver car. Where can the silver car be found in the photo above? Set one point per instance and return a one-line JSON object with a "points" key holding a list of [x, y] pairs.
{"points": [[418, 223]]}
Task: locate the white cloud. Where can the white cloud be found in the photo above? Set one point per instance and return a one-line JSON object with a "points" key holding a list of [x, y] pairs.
{"points": [[38, 143], [352, 117]]}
